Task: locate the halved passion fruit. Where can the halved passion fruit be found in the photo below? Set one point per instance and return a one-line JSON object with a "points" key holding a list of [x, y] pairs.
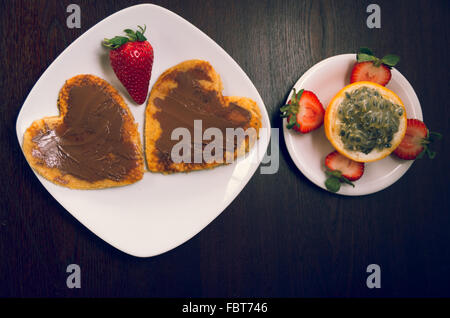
{"points": [[365, 121]]}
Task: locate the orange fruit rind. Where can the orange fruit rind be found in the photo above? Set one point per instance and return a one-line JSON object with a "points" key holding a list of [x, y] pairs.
{"points": [[332, 123]]}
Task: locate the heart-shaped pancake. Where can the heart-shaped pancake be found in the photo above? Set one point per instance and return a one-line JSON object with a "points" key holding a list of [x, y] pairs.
{"points": [[189, 96], [94, 142]]}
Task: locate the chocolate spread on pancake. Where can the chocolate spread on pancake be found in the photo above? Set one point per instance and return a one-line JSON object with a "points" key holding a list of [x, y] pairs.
{"points": [[88, 144], [189, 101]]}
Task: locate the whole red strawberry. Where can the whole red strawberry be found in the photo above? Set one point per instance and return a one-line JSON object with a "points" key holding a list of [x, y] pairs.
{"points": [[372, 69], [131, 58]]}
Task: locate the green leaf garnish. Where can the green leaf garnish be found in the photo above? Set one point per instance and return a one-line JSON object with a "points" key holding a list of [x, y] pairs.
{"points": [[362, 57], [291, 122], [140, 34], [290, 110], [420, 155], [333, 173], [432, 136], [390, 60], [366, 55], [431, 154], [132, 36], [334, 180], [365, 50], [333, 184], [115, 42], [345, 180], [426, 143]]}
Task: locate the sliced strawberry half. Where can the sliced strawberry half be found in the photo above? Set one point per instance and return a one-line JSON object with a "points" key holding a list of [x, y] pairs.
{"points": [[416, 141], [304, 112], [340, 169], [372, 69], [351, 170], [367, 71]]}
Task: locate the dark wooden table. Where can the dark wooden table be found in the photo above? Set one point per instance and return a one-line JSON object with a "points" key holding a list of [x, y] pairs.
{"points": [[282, 236]]}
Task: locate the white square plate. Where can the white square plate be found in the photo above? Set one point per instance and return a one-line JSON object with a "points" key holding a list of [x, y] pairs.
{"points": [[159, 212]]}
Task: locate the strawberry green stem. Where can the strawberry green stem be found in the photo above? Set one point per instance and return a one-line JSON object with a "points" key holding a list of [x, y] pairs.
{"points": [[366, 55], [334, 180], [132, 36], [426, 143]]}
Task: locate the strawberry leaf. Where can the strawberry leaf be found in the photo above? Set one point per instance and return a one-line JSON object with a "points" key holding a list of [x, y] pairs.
{"points": [[115, 42], [365, 50], [345, 180], [291, 109], [132, 36], [333, 173], [390, 60], [291, 122], [334, 180], [432, 136], [295, 97], [422, 153], [140, 33], [284, 109], [431, 154], [362, 57], [333, 184], [426, 142], [298, 96], [288, 110], [366, 55]]}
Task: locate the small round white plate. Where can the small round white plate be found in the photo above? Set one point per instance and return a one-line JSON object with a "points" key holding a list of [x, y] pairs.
{"points": [[308, 151]]}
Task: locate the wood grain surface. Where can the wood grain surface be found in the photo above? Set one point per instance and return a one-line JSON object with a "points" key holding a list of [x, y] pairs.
{"points": [[282, 236]]}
